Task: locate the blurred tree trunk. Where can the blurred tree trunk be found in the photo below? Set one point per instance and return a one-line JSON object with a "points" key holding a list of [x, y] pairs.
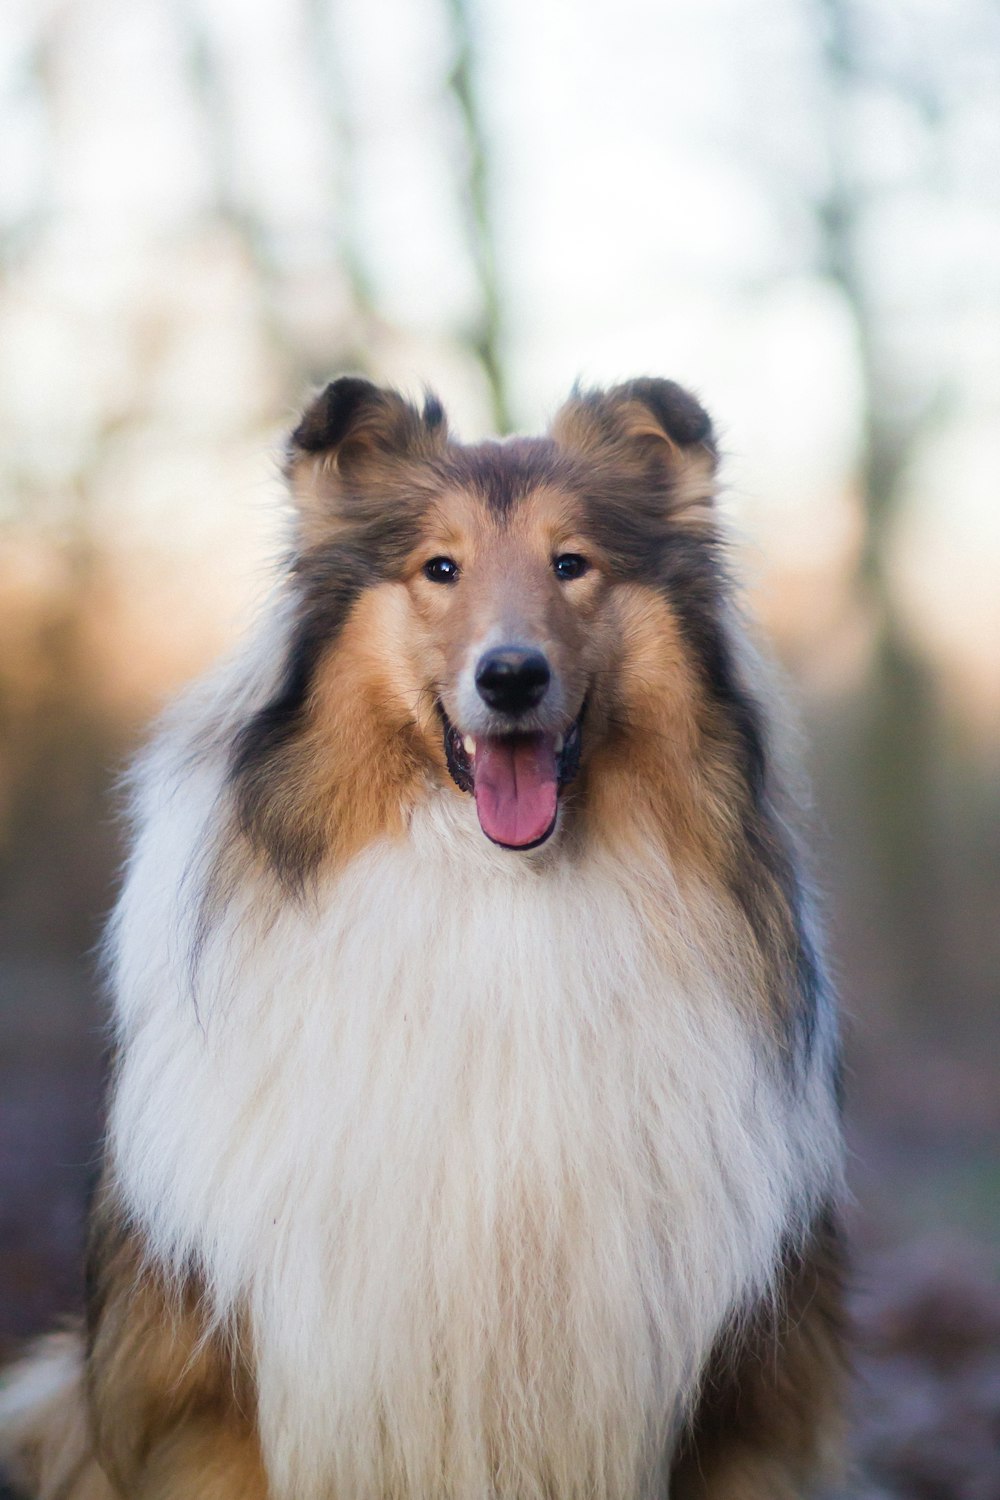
{"points": [[56, 741], [486, 338], [900, 721], [347, 248]]}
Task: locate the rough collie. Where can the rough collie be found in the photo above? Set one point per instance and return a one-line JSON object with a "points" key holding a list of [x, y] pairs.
{"points": [[473, 1132]]}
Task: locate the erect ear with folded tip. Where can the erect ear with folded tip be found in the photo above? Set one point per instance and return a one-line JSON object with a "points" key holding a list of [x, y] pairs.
{"points": [[657, 427], [348, 435]]}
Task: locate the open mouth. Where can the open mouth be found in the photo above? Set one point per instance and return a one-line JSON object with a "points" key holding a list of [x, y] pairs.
{"points": [[515, 778]]}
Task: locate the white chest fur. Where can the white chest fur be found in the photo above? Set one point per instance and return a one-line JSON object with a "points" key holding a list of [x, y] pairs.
{"points": [[485, 1150]]}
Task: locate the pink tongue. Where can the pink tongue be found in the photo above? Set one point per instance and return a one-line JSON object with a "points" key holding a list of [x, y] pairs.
{"points": [[516, 787]]}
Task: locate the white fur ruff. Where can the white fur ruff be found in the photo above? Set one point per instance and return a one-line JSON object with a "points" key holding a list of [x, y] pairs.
{"points": [[480, 1143]]}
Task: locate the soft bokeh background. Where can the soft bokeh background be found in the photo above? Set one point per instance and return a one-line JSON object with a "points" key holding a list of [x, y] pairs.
{"points": [[792, 206]]}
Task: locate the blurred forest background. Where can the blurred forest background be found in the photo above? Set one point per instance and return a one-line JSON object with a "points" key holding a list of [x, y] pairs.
{"points": [[792, 206]]}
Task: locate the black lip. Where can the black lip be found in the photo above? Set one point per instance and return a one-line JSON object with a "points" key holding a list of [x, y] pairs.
{"points": [[520, 848], [459, 765], [461, 772]]}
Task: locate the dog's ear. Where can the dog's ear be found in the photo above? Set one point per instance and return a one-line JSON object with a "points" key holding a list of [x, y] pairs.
{"points": [[656, 427], [349, 436]]}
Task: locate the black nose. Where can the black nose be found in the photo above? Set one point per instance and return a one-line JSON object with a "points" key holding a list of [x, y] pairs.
{"points": [[512, 679]]}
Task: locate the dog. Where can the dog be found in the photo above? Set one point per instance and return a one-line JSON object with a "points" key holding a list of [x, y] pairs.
{"points": [[474, 1127]]}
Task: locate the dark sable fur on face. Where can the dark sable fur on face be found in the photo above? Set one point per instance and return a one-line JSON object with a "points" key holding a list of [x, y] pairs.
{"points": [[355, 453], [502, 474], [331, 580], [647, 513]]}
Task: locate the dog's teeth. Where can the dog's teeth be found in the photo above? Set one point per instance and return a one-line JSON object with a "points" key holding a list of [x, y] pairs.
{"points": [[469, 745], [559, 744]]}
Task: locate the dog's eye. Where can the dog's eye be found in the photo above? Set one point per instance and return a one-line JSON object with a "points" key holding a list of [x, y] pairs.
{"points": [[441, 570], [569, 565]]}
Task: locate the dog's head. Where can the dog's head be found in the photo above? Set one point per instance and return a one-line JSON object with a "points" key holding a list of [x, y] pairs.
{"points": [[506, 620]]}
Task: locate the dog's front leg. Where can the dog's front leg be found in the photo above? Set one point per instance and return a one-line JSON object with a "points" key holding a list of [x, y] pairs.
{"points": [[201, 1460], [768, 1426], [171, 1397]]}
